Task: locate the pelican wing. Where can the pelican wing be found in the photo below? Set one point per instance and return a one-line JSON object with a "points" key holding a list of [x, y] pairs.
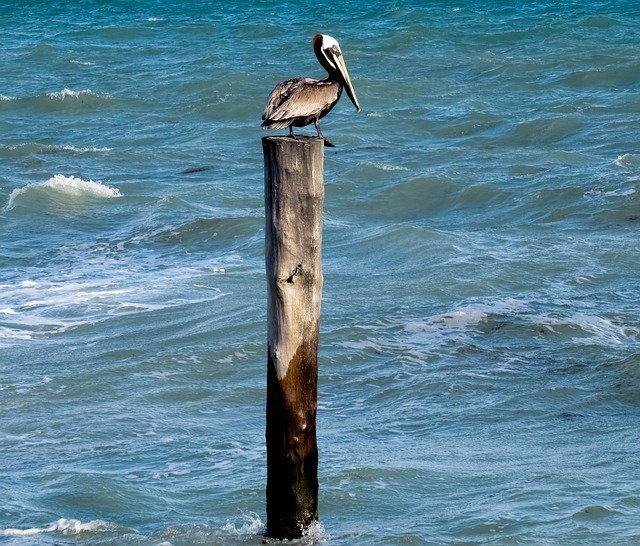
{"points": [[298, 99]]}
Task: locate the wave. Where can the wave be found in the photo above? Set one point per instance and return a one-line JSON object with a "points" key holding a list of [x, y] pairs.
{"points": [[32, 310], [35, 309], [544, 130], [206, 230], [80, 149], [23, 149], [466, 323], [70, 93], [604, 76], [585, 329], [613, 193], [462, 323], [64, 526], [65, 99], [628, 161], [60, 186], [241, 527]]}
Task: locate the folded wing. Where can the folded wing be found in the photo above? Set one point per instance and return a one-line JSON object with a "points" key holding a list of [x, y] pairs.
{"points": [[299, 102]]}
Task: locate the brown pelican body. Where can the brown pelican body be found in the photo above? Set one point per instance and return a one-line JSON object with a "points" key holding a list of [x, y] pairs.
{"points": [[302, 101]]}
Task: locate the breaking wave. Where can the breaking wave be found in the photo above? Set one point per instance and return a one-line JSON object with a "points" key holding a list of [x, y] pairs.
{"points": [[61, 185], [64, 526]]}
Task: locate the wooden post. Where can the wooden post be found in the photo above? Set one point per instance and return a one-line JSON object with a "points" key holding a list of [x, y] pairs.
{"points": [[294, 198]]}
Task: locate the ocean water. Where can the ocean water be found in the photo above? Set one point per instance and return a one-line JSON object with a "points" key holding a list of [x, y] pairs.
{"points": [[479, 376]]}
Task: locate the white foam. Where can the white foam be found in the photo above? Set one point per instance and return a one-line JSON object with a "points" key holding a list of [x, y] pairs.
{"points": [[84, 149], [460, 324], [385, 167], [77, 186], [612, 193], [315, 533], [83, 63], [8, 334], [64, 526], [52, 148], [69, 185], [33, 310], [594, 330], [249, 524], [66, 92], [627, 160], [5, 97], [461, 318]]}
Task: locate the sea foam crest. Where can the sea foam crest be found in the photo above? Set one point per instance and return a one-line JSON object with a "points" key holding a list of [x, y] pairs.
{"points": [[69, 185], [30, 147], [66, 92], [65, 526], [627, 161], [82, 149]]}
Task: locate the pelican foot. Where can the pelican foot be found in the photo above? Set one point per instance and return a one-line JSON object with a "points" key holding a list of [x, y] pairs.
{"points": [[329, 144]]}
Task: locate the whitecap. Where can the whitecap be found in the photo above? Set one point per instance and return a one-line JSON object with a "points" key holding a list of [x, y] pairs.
{"points": [[386, 167], [612, 193], [627, 160], [5, 97], [431, 332], [465, 316], [68, 185], [461, 324], [589, 329], [66, 92], [84, 149], [26, 148], [83, 63], [63, 525]]}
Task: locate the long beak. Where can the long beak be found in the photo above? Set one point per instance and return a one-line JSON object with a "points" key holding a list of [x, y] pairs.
{"points": [[342, 67]]}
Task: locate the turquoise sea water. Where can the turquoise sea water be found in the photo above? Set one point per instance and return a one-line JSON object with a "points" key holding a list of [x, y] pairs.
{"points": [[480, 341]]}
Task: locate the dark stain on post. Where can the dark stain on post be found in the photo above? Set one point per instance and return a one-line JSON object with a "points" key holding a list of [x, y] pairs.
{"points": [[292, 452]]}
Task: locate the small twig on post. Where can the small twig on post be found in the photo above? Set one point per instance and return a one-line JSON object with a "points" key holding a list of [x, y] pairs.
{"points": [[294, 198]]}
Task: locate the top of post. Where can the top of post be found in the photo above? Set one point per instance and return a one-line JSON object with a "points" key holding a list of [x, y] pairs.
{"points": [[296, 139]]}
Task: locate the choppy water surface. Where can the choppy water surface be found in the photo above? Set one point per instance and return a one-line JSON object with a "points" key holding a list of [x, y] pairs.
{"points": [[480, 348]]}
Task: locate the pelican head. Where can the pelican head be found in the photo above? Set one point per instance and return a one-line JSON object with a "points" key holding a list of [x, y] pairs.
{"points": [[330, 57]]}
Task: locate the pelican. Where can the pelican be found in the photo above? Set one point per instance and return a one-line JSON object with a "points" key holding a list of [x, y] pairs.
{"points": [[302, 101]]}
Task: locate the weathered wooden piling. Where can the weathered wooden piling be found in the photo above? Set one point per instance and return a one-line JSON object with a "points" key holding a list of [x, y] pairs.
{"points": [[294, 198]]}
